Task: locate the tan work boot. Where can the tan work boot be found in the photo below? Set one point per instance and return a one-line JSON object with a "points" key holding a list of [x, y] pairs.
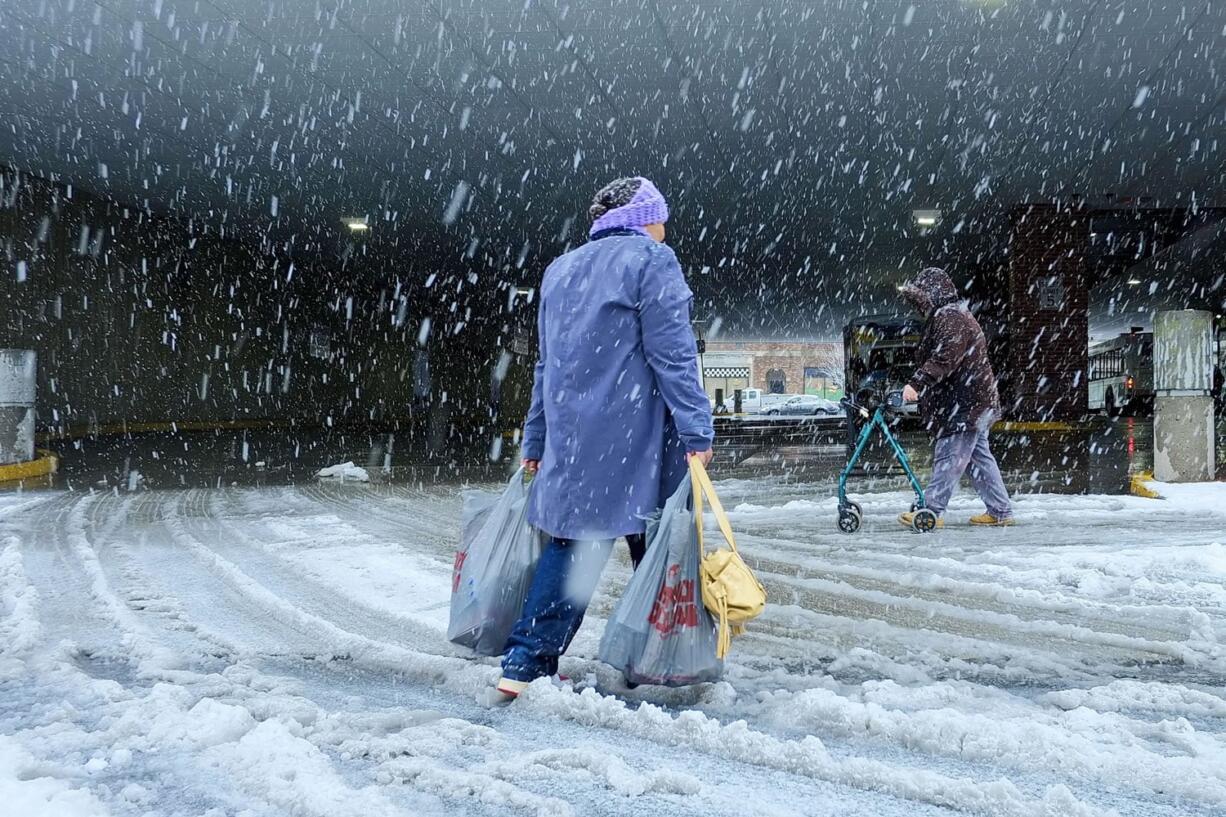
{"points": [[986, 520], [905, 519]]}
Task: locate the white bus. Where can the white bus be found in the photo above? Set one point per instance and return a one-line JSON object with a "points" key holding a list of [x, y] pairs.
{"points": [[1121, 378]]}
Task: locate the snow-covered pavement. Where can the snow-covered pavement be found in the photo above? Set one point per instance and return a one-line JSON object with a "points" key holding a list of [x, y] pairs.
{"points": [[280, 651]]}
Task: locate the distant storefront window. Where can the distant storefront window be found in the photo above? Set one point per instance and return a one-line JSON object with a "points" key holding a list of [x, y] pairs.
{"points": [[823, 382], [776, 381]]}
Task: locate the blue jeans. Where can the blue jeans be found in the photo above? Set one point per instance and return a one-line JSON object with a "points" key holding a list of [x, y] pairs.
{"points": [[953, 455], [566, 577]]}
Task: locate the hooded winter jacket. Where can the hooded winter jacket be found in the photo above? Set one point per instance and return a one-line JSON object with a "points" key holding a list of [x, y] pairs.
{"points": [[954, 378]]}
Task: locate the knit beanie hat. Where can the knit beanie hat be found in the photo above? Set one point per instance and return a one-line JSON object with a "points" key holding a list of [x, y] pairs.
{"points": [[632, 202]]}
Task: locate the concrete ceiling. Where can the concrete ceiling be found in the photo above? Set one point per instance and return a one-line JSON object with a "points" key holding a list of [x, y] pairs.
{"points": [[792, 129]]}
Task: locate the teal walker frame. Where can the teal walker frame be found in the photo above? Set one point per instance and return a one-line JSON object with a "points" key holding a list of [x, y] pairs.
{"points": [[851, 515]]}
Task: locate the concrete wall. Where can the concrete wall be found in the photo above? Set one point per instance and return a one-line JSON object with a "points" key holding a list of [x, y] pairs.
{"points": [[140, 319]]}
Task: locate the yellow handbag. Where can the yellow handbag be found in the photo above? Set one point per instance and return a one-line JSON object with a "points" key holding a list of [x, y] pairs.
{"points": [[730, 591]]}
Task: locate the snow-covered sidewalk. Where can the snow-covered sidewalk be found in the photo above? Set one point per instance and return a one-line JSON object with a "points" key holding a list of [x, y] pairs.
{"points": [[281, 651]]}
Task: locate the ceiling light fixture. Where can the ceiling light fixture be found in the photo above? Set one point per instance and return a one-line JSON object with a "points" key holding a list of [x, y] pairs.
{"points": [[356, 224], [926, 219], [1134, 282]]}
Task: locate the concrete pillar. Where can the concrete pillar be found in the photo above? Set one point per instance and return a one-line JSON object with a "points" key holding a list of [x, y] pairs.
{"points": [[17, 386], [1183, 408]]}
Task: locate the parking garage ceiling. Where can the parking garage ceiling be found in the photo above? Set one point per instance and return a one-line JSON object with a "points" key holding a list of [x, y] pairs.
{"points": [[794, 139]]}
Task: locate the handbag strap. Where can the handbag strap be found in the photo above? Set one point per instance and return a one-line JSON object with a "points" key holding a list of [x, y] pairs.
{"points": [[702, 487]]}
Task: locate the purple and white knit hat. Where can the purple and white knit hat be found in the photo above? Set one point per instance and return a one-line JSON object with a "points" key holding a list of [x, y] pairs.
{"points": [[647, 206]]}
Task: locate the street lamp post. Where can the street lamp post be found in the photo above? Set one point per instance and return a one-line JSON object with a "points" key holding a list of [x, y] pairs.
{"points": [[700, 335]]}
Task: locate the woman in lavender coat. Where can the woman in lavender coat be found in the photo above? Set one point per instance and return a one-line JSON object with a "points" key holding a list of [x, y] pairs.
{"points": [[617, 405]]}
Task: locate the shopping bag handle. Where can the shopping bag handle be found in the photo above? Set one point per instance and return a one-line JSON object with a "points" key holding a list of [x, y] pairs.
{"points": [[701, 484]]}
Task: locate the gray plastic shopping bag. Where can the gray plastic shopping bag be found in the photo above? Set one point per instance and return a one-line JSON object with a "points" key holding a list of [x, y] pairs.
{"points": [[660, 632], [493, 567]]}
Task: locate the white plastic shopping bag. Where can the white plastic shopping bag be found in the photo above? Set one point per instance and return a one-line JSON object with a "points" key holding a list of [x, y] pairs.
{"points": [[493, 567], [660, 632]]}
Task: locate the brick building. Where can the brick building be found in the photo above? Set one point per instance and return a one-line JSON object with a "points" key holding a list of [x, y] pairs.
{"points": [[1048, 313], [782, 367]]}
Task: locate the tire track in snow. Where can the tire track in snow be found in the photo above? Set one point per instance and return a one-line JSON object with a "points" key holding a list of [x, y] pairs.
{"points": [[183, 568], [16, 507], [430, 519], [246, 552], [971, 595], [113, 533], [70, 611], [837, 597], [315, 636]]}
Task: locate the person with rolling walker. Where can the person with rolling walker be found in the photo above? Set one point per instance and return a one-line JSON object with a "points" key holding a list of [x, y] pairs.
{"points": [[956, 390]]}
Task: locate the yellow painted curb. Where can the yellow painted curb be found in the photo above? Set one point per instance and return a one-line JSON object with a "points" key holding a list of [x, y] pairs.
{"points": [[72, 432], [1138, 486], [1011, 425], [45, 464]]}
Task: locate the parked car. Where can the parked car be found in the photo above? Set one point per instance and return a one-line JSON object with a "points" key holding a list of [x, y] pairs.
{"points": [[806, 405]]}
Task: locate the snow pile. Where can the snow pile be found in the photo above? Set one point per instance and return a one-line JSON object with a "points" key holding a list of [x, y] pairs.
{"points": [[808, 756], [345, 471], [610, 770], [1008, 732], [1193, 497], [27, 789], [1169, 701], [207, 723], [19, 629], [292, 774]]}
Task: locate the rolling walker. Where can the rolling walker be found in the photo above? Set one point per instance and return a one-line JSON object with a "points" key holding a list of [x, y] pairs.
{"points": [[850, 513]]}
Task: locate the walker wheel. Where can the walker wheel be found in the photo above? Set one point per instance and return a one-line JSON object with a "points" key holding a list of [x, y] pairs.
{"points": [[849, 520], [855, 506], [924, 521]]}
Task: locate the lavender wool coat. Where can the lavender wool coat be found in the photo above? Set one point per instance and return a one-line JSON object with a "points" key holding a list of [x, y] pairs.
{"points": [[617, 400]]}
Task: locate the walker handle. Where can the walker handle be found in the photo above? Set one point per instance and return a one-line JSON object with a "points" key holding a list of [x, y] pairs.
{"points": [[848, 403]]}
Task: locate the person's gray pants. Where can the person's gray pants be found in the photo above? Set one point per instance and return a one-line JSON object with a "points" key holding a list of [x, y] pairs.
{"points": [[953, 454]]}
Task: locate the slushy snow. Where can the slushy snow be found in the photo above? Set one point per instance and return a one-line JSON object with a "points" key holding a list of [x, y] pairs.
{"points": [[276, 651]]}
